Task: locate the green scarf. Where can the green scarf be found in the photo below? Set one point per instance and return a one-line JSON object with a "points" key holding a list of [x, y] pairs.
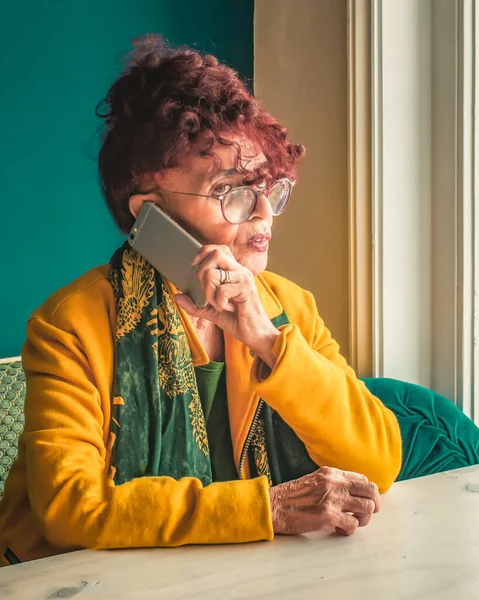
{"points": [[158, 424]]}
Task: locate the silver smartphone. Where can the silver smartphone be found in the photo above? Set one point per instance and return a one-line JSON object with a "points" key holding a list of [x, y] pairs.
{"points": [[168, 248]]}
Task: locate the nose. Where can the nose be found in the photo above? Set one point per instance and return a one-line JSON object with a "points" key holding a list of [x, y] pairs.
{"points": [[263, 210]]}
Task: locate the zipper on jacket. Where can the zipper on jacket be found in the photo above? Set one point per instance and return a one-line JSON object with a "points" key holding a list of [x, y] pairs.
{"points": [[249, 438]]}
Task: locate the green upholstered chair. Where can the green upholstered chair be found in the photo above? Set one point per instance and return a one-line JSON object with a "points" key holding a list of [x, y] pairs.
{"points": [[12, 418]]}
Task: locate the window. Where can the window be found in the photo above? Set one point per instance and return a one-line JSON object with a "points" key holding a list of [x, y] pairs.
{"points": [[423, 196]]}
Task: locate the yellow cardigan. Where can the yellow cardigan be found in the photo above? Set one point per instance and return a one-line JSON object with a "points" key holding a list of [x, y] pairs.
{"points": [[59, 495]]}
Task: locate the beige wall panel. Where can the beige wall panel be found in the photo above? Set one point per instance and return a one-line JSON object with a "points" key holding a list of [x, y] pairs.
{"points": [[301, 77]]}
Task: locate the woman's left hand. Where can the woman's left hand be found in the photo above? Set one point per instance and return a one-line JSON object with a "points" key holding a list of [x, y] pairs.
{"points": [[235, 307]]}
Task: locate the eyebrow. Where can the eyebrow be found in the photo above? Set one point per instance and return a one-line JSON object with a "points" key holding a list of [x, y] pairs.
{"points": [[236, 172]]}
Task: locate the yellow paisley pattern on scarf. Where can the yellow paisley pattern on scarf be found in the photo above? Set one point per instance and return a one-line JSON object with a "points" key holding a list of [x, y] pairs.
{"points": [[138, 287], [258, 447], [175, 367], [198, 423]]}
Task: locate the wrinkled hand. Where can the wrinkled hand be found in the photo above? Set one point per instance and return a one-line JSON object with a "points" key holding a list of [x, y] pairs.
{"points": [[327, 500], [234, 307]]}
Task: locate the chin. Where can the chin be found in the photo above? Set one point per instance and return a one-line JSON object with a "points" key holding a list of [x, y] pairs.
{"points": [[256, 262]]}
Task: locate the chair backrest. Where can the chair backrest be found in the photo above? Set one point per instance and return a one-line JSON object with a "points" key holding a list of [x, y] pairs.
{"points": [[12, 418]]}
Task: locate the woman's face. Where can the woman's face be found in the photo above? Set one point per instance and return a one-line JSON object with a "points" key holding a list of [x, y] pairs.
{"points": [[203, 217]]}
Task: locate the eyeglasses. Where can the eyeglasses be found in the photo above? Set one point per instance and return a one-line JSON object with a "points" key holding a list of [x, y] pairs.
{"points": [[239, 203]]}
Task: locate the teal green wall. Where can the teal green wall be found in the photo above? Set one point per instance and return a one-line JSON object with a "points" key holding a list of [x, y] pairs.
{"points": [[57, 59]]}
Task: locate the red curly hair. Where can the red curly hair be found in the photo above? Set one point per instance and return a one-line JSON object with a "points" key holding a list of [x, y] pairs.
{"points": [[165, 102]]}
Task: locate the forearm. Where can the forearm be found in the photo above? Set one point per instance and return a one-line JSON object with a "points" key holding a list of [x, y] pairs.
{"points": [[340, 422], [150, 512]]}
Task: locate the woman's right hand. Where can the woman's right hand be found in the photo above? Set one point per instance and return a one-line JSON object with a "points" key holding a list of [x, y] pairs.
{"points": [[326, 500]]}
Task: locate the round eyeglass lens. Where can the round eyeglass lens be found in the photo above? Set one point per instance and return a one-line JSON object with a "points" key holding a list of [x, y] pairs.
{"points": [[238, 204], [278, 196]]}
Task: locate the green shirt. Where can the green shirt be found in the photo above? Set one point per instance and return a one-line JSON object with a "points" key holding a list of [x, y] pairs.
{"points": [[211, 380]]}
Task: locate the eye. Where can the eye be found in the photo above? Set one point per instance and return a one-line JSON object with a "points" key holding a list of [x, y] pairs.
{"points": [[220, 189]]}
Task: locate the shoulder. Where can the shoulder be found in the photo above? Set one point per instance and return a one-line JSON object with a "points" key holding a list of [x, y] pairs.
{"points": [[297, 302], [89, 295], [286, 290]]}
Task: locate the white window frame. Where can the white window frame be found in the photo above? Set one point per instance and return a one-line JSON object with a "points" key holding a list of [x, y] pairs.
{"points": [[359, 188], [455, 360], [421, 306], [467, 364], [475, 42]]}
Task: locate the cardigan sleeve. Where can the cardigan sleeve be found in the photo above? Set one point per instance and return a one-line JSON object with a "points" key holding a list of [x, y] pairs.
{"points": [[314, 390]]}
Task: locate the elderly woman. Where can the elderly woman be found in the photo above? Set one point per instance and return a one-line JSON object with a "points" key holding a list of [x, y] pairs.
{"points": [[151, 422]]}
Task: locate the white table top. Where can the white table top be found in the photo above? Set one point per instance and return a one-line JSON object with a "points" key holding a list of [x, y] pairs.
{"points": [[423, 544]]}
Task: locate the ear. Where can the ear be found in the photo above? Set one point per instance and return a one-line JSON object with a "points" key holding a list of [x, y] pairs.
{"points": [[136, 201], [135, 204]]}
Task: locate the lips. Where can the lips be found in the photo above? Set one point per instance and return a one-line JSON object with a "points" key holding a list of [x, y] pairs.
{"points": [[259, 242]]}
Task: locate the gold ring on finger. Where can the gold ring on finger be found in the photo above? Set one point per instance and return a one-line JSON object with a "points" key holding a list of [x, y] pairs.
{"points": [[222, 275]]}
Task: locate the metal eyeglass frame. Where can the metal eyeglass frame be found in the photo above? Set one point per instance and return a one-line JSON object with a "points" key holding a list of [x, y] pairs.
{"points": [[222, 198]]}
